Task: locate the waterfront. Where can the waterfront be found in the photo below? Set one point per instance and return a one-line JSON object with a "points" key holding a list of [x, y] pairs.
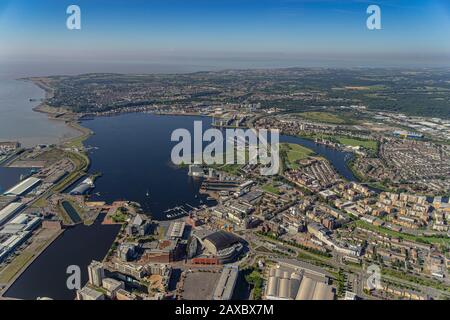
{"points": [[132, 151], [10, 177], [46, 276], [336, 157], [19, 122]]}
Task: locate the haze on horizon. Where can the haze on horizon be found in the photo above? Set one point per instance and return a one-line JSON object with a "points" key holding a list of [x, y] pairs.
{"points": [[177, 35]]}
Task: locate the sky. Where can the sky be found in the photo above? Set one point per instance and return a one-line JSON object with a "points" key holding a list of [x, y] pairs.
{"points": [[241, 33]]}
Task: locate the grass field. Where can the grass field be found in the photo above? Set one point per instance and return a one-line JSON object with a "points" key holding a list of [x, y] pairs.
{"points": [[119, 216], [324, 117], [294, 153], [81, 161], [368, 144], [228, 168], [271, 188], [348, 141], [77, 142], [367, 88], [15, 266], [40, 240]]}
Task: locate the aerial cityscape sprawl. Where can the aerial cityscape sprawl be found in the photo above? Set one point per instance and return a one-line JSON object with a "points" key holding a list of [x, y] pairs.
{"points": [[311, 232]]}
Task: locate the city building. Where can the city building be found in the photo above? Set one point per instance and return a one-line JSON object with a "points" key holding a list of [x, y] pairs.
{"points": [[126, 251], [96, 273], [216, 247], [112, 286], [139, 226], [226, 284]]}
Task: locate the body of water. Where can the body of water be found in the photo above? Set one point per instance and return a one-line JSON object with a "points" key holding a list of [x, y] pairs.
{"points": [[336, 157], [18, 121], [46, 276], [132, 151], [9, 177]]}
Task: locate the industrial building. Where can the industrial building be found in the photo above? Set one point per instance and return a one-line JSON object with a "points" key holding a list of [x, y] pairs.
{"points": [[9, 211], [16, 232], [10, 244], [176, 229], [295, 280], [86, 185], [406, 134], [5, 200], [23, 222], [23, 187], [226, 284]]}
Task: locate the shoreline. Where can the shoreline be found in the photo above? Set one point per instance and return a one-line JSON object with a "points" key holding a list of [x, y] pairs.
{"points": [[70, 119], [72, 122]]}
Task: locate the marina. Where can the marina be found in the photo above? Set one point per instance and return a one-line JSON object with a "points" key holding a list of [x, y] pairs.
{"points": [[176, 212]]}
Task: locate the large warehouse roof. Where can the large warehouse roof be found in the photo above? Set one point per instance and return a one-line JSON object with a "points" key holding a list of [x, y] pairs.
{"points": [[9, 211], [289, 283], [23, 187], [222, 239], [226, 284]]}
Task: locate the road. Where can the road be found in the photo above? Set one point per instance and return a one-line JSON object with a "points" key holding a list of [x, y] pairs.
{"points": [[358, 275]]}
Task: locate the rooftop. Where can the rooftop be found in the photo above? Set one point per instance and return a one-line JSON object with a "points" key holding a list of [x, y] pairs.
{"points": [[23, 186], [222, 239]]}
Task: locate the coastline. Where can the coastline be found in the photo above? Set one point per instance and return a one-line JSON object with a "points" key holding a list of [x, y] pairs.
{"points": [[73, 142], [72, 120]]}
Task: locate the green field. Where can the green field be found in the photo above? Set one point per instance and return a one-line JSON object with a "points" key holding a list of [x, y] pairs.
{"points": [[271, 188], [15, 266], [325, 117], [230, 168], [293, 153], [362, 88], [347, 141], [368, 144], [119, 216]]}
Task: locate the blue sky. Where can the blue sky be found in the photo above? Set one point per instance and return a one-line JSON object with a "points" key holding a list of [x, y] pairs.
{"points": [[157, 30]]}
